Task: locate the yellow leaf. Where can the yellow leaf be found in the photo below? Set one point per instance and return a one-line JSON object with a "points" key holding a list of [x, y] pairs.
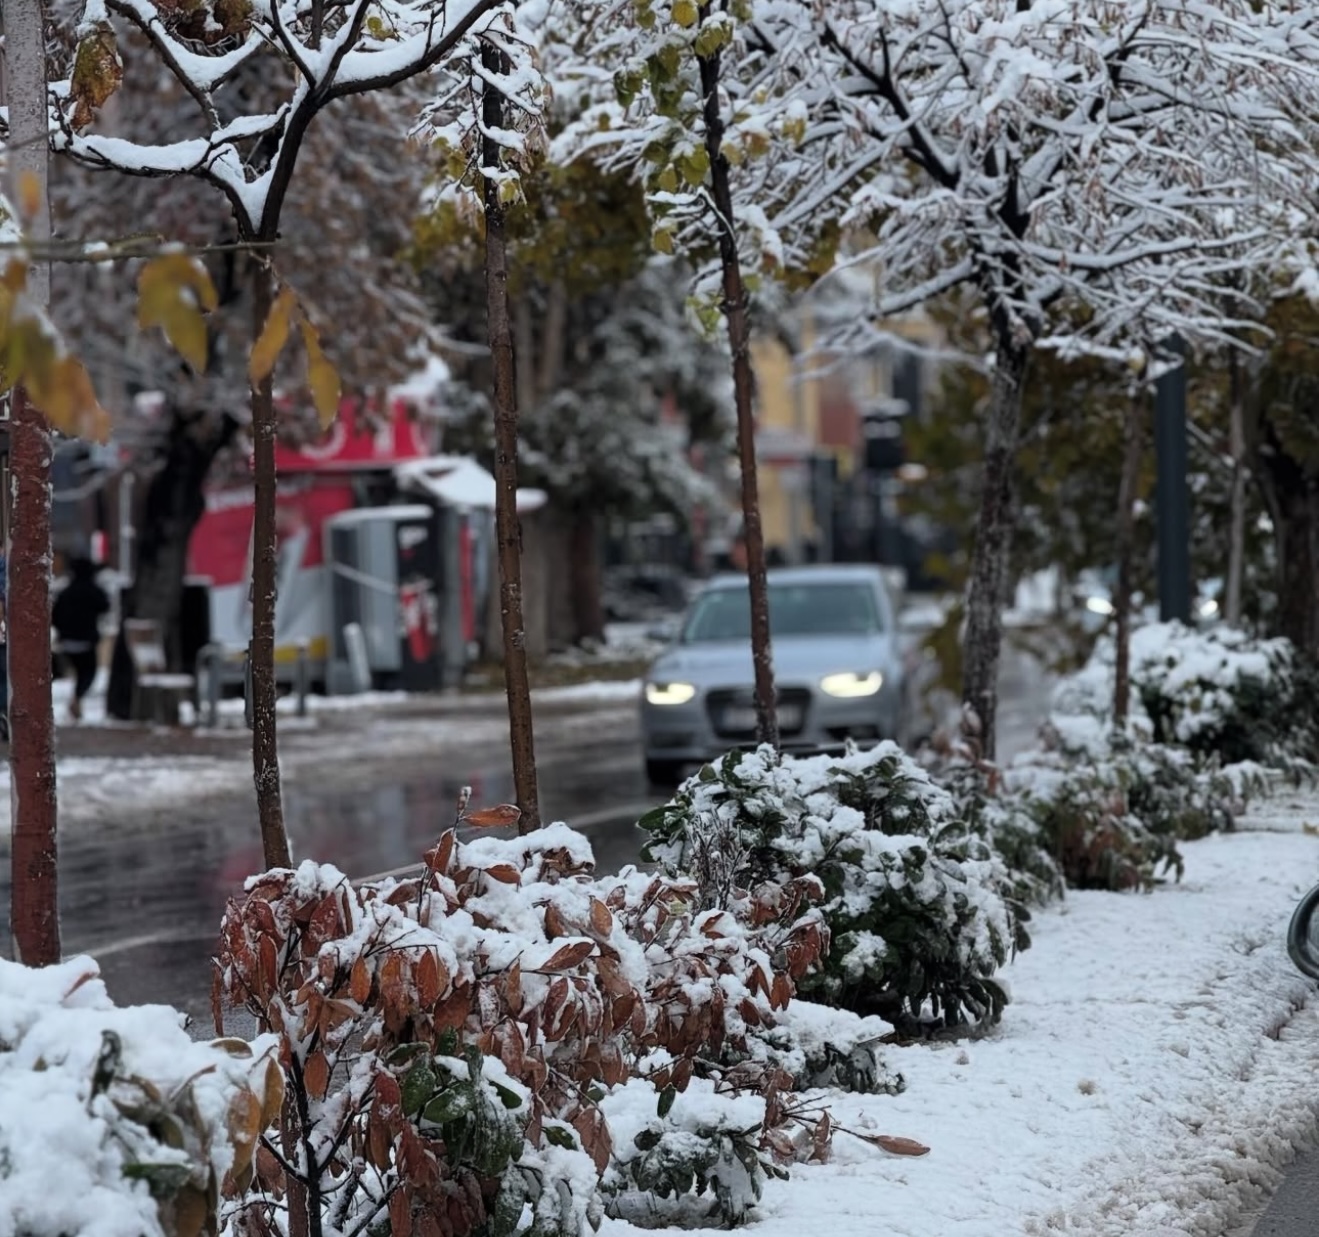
{"points": [[173, 291], [15, 276], [63, 391], [29, 193], [322, 377], [274, 335]]}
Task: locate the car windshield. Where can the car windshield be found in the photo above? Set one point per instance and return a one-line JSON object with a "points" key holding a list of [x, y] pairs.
{"points": [[825, 609]]}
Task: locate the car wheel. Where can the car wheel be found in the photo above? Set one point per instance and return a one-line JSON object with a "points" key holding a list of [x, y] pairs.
{"points": [[664, 774]]}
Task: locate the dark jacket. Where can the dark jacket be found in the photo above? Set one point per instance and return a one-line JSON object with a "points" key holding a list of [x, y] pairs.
{"points": [[79, 607]]}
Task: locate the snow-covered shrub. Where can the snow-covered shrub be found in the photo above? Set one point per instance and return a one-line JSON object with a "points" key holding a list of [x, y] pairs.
{"points": [[917, 903], [505, 972], [683, 1148], [1082, 809], [1220, 691], [113, 1121]]}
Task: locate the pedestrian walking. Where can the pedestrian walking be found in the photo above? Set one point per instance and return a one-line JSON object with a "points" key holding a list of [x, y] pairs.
{"points": [[77, 621]]}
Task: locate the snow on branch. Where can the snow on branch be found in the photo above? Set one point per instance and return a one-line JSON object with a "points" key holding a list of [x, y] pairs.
{"points": [[323, 52]]}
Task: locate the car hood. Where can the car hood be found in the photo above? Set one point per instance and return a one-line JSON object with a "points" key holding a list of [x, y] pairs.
{"points": [[796, 660]]}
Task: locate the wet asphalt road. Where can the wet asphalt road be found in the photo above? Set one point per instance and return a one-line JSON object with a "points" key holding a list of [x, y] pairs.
{"points": [[143, 886]]}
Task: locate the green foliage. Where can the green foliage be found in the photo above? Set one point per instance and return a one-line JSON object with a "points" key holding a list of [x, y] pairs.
{"points": [[919, 906]]}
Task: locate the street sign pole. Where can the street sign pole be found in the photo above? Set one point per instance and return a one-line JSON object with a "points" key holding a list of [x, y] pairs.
{"points": [[1172, 498]]}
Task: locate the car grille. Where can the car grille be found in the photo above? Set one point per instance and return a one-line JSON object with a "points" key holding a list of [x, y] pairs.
{"points": [[719, 703]]}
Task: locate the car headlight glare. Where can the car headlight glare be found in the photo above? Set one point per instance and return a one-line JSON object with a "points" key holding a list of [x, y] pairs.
{"points": [[669, 693], [850, 686], [1099, 605]]}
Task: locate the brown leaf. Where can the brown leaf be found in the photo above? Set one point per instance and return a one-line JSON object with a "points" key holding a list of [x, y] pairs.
{"points": [[780, 993], [316, 1075], [272, 1093], [554, 924], [437, 859], [267, 967], [393, 989], [359, 986], [428, 980], [504, 872], [269, 1171], [378, 1142], [97, 73], [452, 1011], [400, 1212], [568, 956], [593, 1132], [897, 1146], [324, 924], [513, 988], [601, 920], [821, 1138], [501, 816], [682, 1074]]}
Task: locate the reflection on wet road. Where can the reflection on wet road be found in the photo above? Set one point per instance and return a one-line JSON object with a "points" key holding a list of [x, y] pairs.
{"points": [[143, 892]]}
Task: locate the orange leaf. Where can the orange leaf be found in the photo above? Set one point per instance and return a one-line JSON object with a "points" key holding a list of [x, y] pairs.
{"points": [[554, 925], [898, 1146], [513, 988], [428, 980], [316, 1075], [568, 956], [504, 872], [498, 817], [359, 986]]}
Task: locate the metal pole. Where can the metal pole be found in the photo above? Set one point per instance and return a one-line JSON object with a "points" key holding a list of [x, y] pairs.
{"points": [[1172, 498], [303, 675]]}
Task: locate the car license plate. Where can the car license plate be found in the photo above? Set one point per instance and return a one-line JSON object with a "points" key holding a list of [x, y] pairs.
{"points": [[745, 719]]}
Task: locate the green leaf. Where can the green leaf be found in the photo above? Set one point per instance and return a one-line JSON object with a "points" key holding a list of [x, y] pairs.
{"points": [[557, 1136], [418, 1086], [511, 1099], [666, 1098]]}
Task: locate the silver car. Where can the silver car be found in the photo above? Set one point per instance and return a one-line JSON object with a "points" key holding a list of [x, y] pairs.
{"points": [[837, 667]]}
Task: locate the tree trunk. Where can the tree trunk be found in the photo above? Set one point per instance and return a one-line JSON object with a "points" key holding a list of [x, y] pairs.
{"points": [[508, 537], [34, 898], [1125, 549], [265, 737], [34, 902], [175, 503], [588, 605], [1236, 545], [993, 543], [1292, 496], [739, 340]]}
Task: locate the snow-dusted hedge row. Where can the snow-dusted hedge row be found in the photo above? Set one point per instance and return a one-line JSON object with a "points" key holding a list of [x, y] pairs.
{"points": [[919, 905], [1211, 712], [113, 1121]]}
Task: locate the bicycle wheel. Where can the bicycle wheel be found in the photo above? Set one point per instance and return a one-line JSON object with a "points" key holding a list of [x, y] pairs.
{"points": [[1303, 935]]}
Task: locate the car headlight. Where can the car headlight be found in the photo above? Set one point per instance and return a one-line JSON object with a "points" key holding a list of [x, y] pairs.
{"points": [[669, 693], [852, 685]]}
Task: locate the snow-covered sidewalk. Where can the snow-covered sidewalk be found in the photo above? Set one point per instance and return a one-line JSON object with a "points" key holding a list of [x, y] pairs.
{"points": [[1158, 1062]]}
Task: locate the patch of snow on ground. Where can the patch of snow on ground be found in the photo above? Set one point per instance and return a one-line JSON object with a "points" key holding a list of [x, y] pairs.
{"points": [[88, 783], [1151, 1077]]}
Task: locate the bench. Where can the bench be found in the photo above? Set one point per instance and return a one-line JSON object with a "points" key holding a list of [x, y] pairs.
{"points": [[157, 694]]}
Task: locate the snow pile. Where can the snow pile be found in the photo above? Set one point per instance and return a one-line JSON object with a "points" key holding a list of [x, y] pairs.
{"points": [[113, 1121], [918, 903]]}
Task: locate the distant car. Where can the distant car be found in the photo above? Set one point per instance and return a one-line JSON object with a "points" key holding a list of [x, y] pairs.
{"points": [[837, 665]]}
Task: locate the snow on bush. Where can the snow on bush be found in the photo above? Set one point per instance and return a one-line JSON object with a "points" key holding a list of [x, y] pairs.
{"points": [[453, 1039], [113, 1121], [1220, 693], [918, 904]]}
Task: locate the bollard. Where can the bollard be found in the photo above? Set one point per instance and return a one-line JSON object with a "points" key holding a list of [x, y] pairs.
{"points": [[302, 672], [359, 661], [209, 681]]}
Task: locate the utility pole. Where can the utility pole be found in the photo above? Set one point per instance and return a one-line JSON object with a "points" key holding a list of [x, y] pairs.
{"points": [[1172, 498]]}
